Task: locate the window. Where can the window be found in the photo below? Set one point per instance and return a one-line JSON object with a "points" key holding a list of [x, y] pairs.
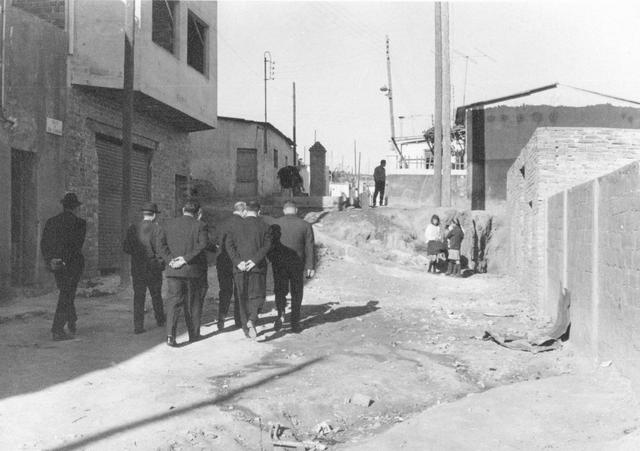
{"points": [[197, 32], [275, 158], [163, 15]]}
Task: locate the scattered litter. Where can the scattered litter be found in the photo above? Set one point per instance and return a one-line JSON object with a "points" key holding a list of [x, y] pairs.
{"points": [[323, 428], [499, 315], [606, 364]]}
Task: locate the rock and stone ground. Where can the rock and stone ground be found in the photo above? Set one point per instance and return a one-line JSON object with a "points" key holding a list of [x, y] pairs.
{"points": [[390, 358]]}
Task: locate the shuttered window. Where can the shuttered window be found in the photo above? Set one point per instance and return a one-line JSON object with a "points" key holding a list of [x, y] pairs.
{"points": [[110, 196]]}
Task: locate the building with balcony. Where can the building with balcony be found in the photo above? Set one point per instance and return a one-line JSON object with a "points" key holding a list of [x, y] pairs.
{"points": [[61, 125]]}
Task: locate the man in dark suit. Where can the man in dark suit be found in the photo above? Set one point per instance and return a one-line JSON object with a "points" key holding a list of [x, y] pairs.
{"points": [[247, 245], [182, 245], [61, 246], [224, 267], [146, 266], [380, 180], [292, 257]]}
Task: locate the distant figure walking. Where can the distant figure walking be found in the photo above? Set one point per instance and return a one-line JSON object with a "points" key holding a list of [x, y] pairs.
{"points": [[434, 237], [455, 236], [247, 245], [224, 267], [146, 266], [380, 180], [182, 245], [61, 245], [292, 257]]}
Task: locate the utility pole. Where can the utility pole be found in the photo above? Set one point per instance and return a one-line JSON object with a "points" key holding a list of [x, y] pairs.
{"points": [[446, 109], [127, 126], [295, 145], [437, 131], [389, 90], [268, 75]]}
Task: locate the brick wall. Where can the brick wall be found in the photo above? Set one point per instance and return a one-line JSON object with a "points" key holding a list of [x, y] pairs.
{"points": [[555, 159], [88, 114], [600, 265]]}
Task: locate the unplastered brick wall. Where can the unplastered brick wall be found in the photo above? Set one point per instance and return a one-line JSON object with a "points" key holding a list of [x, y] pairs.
{"points": [[599, 265], [554, 159], [88, 114]]}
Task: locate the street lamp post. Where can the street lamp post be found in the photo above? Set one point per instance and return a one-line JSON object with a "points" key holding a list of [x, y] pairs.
{"points": [[268, 75]]}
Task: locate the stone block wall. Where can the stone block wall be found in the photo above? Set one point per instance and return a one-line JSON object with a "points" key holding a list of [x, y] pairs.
{"points": [[555, 159], [600, 265]]}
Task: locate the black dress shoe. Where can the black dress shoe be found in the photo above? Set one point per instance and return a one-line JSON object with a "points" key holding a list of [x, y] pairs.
{"points": [[171, 341], [194, 339], [72, 328], [296, 329], [61, 336], [220, 324], [277, 325], [138, 330]]}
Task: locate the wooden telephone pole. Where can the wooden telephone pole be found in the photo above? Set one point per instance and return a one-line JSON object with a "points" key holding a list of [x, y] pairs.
{"points": [[127, 129], [437, 126]]}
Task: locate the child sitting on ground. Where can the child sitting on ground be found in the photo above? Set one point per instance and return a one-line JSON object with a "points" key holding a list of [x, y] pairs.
{"points": [[454, 237]]}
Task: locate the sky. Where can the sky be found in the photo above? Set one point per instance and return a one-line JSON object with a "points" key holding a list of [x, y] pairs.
{"points": [[335, 53]]}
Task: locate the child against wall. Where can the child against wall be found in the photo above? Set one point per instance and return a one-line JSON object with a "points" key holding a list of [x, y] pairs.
{"points": [[455, 235]]}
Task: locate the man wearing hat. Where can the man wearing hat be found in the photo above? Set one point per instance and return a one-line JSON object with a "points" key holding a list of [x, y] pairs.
{"points": [[247, 245], [182, 244], [146, 265], [61, 247], [292, 258]]}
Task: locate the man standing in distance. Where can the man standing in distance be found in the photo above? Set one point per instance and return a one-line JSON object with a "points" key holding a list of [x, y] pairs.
{"points": [[182, 245], [380, 179], [146, 266], [247, 245], [292, 257], [61, 246], [224, 267]]}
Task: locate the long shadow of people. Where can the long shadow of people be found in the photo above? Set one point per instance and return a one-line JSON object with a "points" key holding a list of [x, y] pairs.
{"points": [[316, 315]]}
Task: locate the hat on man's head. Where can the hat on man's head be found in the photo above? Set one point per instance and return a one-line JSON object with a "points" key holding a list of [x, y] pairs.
{"points": [[149, 207], [253, 205], [70, 200]]}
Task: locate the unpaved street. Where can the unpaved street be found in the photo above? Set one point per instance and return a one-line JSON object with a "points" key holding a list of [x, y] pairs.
{"points": [[408, 341]]}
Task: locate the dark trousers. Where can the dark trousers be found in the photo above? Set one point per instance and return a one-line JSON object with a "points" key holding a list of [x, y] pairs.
{"points": [[252, 290], [67, 282], [227, 289], [184, 293], [379, 189], [289, 278], [143, 280]]}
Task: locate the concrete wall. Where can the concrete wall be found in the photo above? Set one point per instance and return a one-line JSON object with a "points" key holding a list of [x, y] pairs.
{"points": [[214, 155], [98, 55], [555, 159], [416, 187], [495, 137], [600, 265], [36, 90]]}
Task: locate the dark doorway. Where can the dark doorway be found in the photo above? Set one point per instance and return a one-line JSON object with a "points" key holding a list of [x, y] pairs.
{"points": [[24, 222], [182, 193], [247, 173]]}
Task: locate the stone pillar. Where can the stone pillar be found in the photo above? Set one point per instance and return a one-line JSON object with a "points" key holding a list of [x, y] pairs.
{"points": [[318, 162]]}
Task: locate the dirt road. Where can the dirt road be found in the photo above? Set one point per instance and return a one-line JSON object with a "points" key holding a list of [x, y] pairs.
{"points": [[406, 343]]}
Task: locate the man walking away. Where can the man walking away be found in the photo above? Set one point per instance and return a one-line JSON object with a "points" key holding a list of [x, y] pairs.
{"points": [[146, 266], [224, 267], [292, 257], [380, 179], [182, 245], [61, 247], [247, 245]]}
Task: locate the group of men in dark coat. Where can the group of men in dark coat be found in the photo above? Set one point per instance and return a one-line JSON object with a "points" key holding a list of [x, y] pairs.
{"points": [[178, 248]]}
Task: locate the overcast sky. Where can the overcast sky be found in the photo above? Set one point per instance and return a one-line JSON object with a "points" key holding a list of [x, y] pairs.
{"points": [[335, 52]]}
